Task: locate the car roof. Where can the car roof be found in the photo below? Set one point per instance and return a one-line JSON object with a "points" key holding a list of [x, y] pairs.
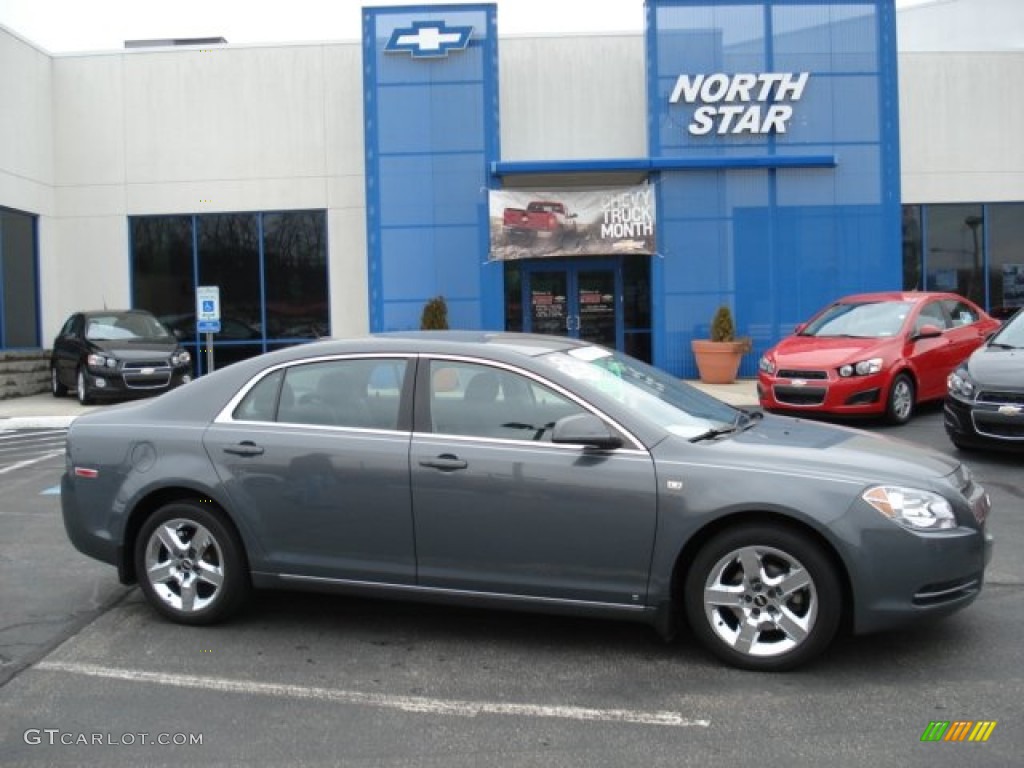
{"points": [[910, 296], [528, 344], [94, 312]]}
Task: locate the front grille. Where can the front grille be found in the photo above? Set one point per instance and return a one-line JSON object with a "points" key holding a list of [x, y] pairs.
{"points": [[788, 373], [805, 396], [1005, 430], [1001, 398], [147, 374], [135, 365]]}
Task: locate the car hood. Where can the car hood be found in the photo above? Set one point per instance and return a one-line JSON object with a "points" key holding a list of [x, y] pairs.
{"points": [[125, 349], [812, 352], [795, 446], [995, 368]]}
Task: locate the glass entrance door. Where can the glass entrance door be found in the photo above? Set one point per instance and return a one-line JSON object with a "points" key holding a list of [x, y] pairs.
{"points": [[580, 300]]}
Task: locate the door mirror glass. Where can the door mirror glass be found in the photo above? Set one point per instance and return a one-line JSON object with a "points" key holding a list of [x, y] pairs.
{"points": [[584, 429]]}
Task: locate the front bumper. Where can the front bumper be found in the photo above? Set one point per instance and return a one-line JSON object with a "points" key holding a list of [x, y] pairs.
{"points": [[900, 576], [853, 396], [126, 384], [984, 425]]}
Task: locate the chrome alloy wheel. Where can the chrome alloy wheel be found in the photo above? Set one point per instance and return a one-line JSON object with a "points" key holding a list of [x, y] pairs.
{"points": [[760, 601], [184, 565], [902, 399]]}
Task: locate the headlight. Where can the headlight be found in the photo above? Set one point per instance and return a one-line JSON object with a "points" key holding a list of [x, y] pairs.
{"points": [[765, 365], [181, 358], [911, 507], [100, 361], [959, 383], [863, 368]]}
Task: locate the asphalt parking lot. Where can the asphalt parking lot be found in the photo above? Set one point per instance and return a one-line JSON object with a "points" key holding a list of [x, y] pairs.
{"points": [[90, 675]]}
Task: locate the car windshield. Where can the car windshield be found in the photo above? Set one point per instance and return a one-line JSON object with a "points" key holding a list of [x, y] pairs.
{"points": [[124, 326], [653, 394], [868, 320], [1011, 334]]}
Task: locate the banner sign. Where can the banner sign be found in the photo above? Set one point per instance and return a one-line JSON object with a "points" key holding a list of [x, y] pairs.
{"points": [[534, 223]]}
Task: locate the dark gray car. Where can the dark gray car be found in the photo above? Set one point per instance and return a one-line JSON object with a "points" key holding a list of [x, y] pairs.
{"points": [[523, 472]]}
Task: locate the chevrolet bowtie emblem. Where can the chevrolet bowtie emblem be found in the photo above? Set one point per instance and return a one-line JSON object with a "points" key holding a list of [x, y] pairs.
{"points": [[1010, 410], [428, 38]]}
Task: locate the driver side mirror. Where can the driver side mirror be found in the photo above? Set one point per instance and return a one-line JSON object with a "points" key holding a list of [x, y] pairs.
{"points": [[584, 429], [928, 331]]}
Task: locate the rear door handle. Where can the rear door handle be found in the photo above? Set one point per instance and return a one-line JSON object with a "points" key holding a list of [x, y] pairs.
{"points": [[245, 448], [446, 462]]}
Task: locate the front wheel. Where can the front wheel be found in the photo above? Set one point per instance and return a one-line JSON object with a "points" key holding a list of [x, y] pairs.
{"points": [[81, 385], [56, 388], [190, 564], [763, 598], [900, 406]]}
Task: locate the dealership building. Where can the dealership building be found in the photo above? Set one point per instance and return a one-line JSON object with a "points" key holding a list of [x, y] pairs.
{"points": [[768, 155]]}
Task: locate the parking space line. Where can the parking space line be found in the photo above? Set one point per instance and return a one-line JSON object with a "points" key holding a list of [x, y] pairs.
{"points": [[28, 462], [414, 704]]}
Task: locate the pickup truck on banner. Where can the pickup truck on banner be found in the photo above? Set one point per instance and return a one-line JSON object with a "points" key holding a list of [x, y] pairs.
{"points": [[540, 218]]}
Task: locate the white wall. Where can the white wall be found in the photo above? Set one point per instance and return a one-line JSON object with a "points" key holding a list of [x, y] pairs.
{"points": [[961, 122], [26, 126], [193, 130]]}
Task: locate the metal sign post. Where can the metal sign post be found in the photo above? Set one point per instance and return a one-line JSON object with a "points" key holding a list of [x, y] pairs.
{"points": [[208, 317]]}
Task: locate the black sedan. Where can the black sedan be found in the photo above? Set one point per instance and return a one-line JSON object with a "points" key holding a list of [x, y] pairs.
{"points": [[984, 405], [521, 472], [116, 355]]}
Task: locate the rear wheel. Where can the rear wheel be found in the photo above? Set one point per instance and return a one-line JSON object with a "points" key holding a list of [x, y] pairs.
{"points": [[900, 405], [56, 388], [190, 564], [763, 598]]}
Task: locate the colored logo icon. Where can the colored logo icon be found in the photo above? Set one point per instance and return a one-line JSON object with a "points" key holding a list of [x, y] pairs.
{"points": [[959, 730]]}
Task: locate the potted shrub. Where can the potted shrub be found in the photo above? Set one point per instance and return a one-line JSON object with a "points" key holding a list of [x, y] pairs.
{"points": [[435, 315], [718, 358]]}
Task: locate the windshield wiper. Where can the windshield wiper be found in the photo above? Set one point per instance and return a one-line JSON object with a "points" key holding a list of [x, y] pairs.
{"points": [[711, 434], [1000, 345]]}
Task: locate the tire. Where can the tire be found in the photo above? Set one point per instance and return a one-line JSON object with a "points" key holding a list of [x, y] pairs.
{"points": [[899, 407], [777, 618], [190, 564], [56, 388], [84, 395]]}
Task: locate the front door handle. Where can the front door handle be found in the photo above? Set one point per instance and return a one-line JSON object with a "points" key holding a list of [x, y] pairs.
{"points": [[245, 448], [446, 462]]}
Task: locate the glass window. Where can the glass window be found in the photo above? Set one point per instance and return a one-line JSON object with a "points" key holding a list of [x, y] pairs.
{"points": [[479, 401], [344, 393], [1005, 225], [19, 283], [295, 267], [954, 238], [932, 313], [960, 312], [912, 248], [162, 270], [273, 288], [260, 403]]}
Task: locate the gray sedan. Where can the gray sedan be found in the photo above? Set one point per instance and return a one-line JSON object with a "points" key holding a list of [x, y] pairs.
{"points": [[521, 472]]}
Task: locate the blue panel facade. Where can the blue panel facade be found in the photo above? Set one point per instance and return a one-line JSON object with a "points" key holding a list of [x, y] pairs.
{"points": [[431, 132], [778, 243]]}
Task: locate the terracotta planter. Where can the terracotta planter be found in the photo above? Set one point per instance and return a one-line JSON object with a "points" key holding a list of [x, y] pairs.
{"points": [[718, 362]]}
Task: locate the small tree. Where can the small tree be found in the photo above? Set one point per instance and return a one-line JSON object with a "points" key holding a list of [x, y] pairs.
{"points": [[722, 326], [435, 315]]}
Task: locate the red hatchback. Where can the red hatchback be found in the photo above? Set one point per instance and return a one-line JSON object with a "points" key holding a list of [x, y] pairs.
{"points": [[873, 354]]}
